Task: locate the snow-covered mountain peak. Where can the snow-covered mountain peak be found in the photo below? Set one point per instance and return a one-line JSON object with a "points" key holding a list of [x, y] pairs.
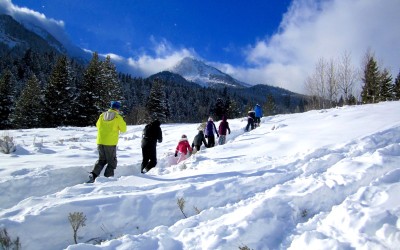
{"points": [[194, 67], [203, 74]]}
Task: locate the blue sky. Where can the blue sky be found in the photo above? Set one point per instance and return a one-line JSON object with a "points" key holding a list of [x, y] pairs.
{"points": [[215, 30], [276, 42]]}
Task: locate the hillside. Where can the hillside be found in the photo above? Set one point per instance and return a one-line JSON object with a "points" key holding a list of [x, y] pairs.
{"points": [[13, 34], [325, 179]]}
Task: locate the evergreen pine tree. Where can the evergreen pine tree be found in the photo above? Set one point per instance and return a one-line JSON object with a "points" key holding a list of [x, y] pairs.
{"points": [[249, 107], [110, 82], [270, 106], [232, 109], [287, 103], [219, 109], [59, 94], [386, 86], [90, 101], [396, 88], [371, 79], [29, 107], [156, 104], [7, 99], [352, 100]]}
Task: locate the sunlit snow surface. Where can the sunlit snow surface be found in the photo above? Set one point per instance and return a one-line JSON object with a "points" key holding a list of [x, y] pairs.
{"points": [[325, 179]]}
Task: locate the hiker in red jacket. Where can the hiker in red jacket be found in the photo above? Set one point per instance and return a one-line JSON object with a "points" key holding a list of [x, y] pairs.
{"points": [[183, 148]]}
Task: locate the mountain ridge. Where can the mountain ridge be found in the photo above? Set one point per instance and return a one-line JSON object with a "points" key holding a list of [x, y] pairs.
{"points": [[13, 33], [19, 33]]}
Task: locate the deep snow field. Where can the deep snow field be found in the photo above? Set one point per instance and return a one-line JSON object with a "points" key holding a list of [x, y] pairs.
{"points": [[327, 179]]}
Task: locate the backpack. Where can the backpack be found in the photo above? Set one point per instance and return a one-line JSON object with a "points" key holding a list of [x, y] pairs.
{"points": [[147, 132]]}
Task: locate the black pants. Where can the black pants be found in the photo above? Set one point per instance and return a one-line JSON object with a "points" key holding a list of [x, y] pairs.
{"points": [[107, 156], [250, 126], [149, 154], [211, 141]]}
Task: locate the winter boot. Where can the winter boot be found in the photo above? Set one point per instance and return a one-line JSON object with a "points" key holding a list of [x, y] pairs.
{"points": [[92, 177]]}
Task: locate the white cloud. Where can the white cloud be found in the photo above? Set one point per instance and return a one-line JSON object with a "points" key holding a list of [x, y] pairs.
{"points": [[163, 56], [114, 57], [314, 29], [149, 65]]}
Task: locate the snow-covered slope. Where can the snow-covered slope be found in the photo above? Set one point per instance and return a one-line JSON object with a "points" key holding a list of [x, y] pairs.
{"points": [[325, 179], [31, 35], [197, 71], [13, 33]]}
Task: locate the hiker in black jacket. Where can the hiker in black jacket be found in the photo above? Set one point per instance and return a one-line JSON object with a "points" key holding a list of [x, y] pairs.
{"points": [[151, 134], [198, 140]]}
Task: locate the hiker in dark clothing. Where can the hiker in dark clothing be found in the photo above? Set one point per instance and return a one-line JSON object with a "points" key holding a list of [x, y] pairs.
{"points": [[198, 140], [209, 132], [222, 129], [151, 134], [250, 120]]}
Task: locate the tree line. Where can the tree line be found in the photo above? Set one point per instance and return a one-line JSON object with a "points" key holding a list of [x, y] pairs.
{"points": [[335, 82], [51, 90]]}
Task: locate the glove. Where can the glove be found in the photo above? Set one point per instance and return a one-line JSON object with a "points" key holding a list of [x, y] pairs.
{"points": [[176, 154], [217, 135]]}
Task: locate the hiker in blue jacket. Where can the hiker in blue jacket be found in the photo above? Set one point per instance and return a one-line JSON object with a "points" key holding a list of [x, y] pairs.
{"points": [[258, 114]]}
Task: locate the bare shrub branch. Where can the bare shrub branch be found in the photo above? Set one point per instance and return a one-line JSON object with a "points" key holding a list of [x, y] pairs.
{"points": [[181, 205], [77, 220]]}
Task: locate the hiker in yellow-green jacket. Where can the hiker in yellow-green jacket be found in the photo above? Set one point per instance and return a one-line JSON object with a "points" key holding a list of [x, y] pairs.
{"points": [[109, 125]]}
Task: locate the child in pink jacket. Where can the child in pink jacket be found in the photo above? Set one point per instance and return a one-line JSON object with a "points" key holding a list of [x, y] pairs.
{"points": [[183, 148]]}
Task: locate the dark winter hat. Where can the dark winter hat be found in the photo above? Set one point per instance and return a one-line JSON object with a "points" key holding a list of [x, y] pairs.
{"points": [[115, 104], [184, 136], [156, 122]]}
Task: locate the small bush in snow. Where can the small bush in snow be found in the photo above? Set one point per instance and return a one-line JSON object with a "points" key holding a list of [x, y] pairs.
{"points": [[7, 144], [7, 243], [244, 248], [77, 220], [304, 213], [198, 211], [181, 205]]}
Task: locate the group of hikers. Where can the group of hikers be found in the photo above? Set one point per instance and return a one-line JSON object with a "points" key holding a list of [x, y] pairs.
{"points": [[254, 118], [110, 124], [184, 150]]}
